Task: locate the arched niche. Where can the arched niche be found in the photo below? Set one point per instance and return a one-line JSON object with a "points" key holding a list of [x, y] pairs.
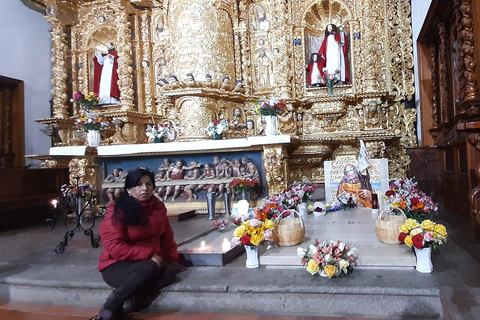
{"points": [[316, 19]]}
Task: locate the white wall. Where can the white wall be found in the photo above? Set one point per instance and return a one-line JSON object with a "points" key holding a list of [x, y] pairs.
{"points": [[419, 11], [25, 53]]}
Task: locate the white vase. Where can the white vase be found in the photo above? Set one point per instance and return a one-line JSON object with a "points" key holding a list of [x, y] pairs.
{"points": [[93, 138], [270, 126], [243, 206], [252, 257], [424, 260], [302, 209]]}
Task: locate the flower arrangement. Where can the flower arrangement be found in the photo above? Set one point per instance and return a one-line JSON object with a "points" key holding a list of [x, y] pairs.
{"points": [[420, 235], [253, 232], [243, 185], [86, 101], [330, 78], [271, 107], [329, 258], [287, 199], [158, 132], [217, 127], [220, 224], [91, 122], [81, 190], [404, 194]]}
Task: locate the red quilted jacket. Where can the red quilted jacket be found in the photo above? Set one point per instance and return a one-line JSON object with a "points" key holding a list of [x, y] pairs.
{"points": [[137, 242]]}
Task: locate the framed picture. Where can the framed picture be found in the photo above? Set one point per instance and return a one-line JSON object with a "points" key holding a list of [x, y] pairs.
{"points": [[343, 176]]}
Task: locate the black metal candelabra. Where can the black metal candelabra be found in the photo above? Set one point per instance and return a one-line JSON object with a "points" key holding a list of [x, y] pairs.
{"points": [[77, 199]]}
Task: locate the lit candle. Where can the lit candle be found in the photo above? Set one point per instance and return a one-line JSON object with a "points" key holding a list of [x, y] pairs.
{"points": [[374, 203], [226, 245], [203, 245], [54, 203]]}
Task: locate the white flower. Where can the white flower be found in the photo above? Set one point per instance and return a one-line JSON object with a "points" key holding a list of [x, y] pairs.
{"points": [[267, 234], [255, 223], [312, 249], [235, 242], [343, 264], [301, 252], [341, 246], [328, 258]]}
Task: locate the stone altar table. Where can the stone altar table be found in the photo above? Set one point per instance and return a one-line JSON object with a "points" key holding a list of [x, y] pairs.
{"points": [[356, 227]]}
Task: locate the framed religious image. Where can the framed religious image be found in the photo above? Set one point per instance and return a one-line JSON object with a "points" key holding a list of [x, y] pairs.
{"points": [[343, 177]]}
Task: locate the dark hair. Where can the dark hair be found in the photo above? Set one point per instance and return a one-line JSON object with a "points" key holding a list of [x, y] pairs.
{"points": [[334, 29], [128, 209], [314, 54]]}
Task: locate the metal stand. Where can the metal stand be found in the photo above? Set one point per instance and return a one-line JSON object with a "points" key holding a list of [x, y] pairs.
{"points": [[77, 199], [211, 205]]}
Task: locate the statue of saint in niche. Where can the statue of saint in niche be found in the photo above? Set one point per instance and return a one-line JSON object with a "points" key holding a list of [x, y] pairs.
{"points": [[105, 75], [159, 27], [263, 68], [333, 53], [261, 22]]}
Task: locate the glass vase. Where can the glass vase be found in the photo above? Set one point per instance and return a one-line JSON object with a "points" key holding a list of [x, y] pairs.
{"points": [[159, 140], [217, 136], [330, 89]]}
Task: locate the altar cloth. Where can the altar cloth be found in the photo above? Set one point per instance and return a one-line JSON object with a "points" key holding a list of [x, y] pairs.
{"points": [[356, 227]]}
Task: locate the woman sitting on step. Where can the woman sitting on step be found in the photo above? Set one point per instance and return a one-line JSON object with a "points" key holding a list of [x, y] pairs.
{"points": [[140, 254]]}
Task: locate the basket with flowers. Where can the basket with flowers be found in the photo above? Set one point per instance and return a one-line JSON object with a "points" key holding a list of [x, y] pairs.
{"points": [[216, 128], [404, 194], [328, 258]]}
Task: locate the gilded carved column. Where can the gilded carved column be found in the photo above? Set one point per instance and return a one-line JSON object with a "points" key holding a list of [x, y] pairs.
{"points": [[435, 111], [443, 71], [275, 161], [369, 47], [125, 70], [466, 53], [147, 63], [59, 68]]}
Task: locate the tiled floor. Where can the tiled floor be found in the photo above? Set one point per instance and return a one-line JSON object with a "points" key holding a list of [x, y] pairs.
{"points": [[27, 311]]}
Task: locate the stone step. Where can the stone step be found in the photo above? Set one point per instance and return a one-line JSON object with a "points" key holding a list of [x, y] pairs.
{"points": [[372, 293]]}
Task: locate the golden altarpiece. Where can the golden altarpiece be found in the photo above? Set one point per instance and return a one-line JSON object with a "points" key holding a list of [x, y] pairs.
{"points": [[263, 48]]}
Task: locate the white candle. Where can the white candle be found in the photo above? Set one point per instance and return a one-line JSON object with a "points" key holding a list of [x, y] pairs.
{"points": [[203, 246], [226, 245]]}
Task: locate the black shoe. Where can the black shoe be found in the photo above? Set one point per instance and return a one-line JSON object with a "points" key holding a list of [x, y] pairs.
{"points": [[105, 314], [138, 303]]}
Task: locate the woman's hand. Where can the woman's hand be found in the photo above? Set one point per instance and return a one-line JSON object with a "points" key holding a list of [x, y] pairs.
{"points": [[158, 260], [177, 266]]}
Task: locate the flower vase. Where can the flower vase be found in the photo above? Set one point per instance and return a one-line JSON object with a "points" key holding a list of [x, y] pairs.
{"points": [[270, 125], [93, 138], [330, 89], [302, 209], [159, 140], [217, 136], [252, 257], [424, 260]]}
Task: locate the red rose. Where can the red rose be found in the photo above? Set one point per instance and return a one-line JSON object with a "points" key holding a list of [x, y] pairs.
{"points": [[401, 237], [418, 241], [246, 240], [415, 200], [389, 193]]}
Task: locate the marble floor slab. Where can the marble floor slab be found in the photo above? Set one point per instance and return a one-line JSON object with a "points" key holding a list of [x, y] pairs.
{"points": [[355, 227]]}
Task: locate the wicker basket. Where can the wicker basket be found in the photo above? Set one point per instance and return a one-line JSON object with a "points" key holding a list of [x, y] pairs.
{"points": [[386, 226], [290, 230]]}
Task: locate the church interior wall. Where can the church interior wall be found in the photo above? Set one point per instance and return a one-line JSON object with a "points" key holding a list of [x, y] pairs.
{"points": [[26, 55]]}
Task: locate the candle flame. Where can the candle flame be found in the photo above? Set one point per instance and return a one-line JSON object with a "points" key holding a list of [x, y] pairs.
{"points": [[202, 244]]}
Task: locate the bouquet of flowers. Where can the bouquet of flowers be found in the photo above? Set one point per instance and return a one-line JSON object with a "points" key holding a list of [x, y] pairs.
{"points": [[86, 101], [243, 185], [220, 224], [91, 122], [420, 235], [287, 199], [158, 132], [218, 127], [271, 107], [330, 78], [330, 258], [347, 200], [405, 195], [252, 232]]}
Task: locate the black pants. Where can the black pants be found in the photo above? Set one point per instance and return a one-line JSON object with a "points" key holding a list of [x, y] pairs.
{"points": [[140, 279]]}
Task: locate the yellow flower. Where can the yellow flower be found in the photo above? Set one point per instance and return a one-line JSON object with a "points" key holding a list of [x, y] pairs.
{"points": [[441, 230], [269, 224], [429, 225], [416, 231], [403, 228], [312, 267], [256, 239], [239, 231], [411, 224], [330, 270], [408, 241]]}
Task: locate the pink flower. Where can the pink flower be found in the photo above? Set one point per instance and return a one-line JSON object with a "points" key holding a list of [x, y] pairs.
{"points": [[428, 236], [77, 95]]}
